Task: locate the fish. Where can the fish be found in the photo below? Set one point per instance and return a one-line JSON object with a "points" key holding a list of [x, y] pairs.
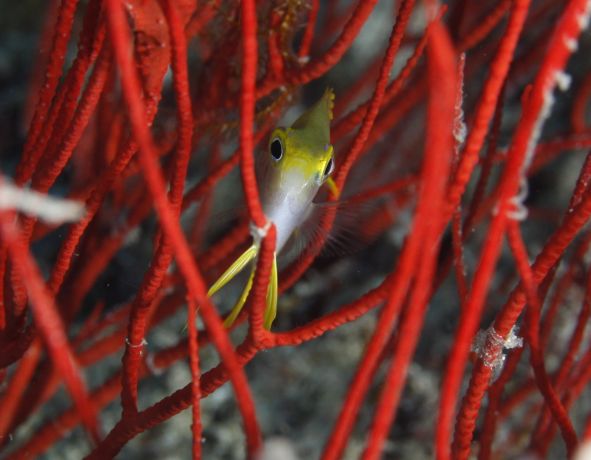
{"points": [[298, 161]]}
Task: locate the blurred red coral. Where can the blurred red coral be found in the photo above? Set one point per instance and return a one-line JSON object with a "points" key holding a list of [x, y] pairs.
{"points": [[465, 141]]}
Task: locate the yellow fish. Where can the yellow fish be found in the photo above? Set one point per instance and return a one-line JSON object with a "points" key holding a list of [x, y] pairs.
{"points": [[298, 161]]}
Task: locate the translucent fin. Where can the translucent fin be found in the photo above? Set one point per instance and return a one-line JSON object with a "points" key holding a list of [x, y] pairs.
{"points": [[241, 301], [271, 310], [341, 240], [233, 270]]}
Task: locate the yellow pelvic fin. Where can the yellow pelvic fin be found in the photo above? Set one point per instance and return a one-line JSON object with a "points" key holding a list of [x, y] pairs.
{"points": [[233, 270], [241, 301], [272, 290], [330, 183]]}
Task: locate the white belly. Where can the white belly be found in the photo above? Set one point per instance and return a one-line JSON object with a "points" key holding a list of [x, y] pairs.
{"points": [[286, 218]]}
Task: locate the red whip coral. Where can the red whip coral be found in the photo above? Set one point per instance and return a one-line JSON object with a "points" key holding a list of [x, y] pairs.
{"points": [[458, 133]]}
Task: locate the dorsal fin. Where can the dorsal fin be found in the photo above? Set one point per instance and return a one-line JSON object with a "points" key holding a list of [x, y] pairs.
{"points": [[329, 97], [317, 118]]}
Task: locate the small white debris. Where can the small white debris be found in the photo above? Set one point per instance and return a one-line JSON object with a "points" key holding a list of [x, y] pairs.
{"points": [[563, 80], [258, 233], [459, 126], [460, 131], [583, 20], [277, 448], [519, 211], [51, 210], [513, 340], [537, 129], [135, 345], [151, 365], [490, 347], [583, 452], [571, 43]]}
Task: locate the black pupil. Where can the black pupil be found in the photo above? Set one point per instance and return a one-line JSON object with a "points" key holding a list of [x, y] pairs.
{"points": [[328, 168], [276, 149]]}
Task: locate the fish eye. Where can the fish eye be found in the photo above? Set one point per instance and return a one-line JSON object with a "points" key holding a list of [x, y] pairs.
{"points": [[329, 167], [276, 149]]}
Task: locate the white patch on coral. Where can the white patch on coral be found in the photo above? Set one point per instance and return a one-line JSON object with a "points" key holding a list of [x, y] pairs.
{"points": [[583, 20], [490, 347], [258, 233], [537, 129], [563, 80], [459, 127], [51, 210], [571, 43], [519, 211]]}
